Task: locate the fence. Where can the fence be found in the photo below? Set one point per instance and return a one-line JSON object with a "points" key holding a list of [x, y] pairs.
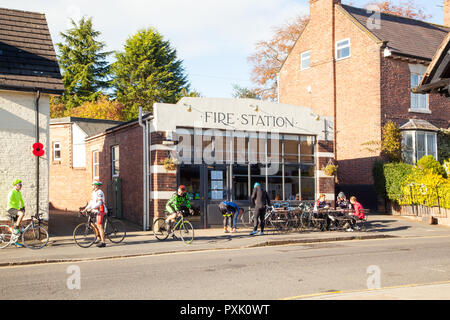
{"points": [[422, 201]]}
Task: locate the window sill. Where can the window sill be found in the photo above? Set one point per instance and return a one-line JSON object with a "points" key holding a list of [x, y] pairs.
{"points": [[427, 111], [55, 162]]}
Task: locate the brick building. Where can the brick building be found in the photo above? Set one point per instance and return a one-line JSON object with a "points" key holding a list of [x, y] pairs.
{"points": [[219, 149], [358, 67], [68, 160], [29, 76]]}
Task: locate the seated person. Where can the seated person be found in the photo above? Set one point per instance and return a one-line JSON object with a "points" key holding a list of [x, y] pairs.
{"points": [[320, 204], [358, 214], [342, 202]]}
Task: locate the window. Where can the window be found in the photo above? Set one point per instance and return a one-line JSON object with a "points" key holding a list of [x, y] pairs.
{"points": [[56, 151], [305, 60], [342, 49], [115, 161], [95, 165], [417, 144], [419, 102]]}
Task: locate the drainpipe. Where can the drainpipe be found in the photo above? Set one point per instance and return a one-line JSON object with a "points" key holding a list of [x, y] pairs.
{"points": [[38, 96], [333, 37], [144, 165], [148, 175]]}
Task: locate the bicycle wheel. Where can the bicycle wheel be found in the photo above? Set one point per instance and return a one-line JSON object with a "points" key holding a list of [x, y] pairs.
{"points": [[186, 232], [5, 236], [115, 231], [160, 229], [247, 219], [84, 235], [34, 237]]}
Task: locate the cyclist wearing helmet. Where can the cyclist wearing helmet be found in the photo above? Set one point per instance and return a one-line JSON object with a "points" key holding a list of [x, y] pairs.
{"points": [[98, 206], [16, 207], [178, 200]]}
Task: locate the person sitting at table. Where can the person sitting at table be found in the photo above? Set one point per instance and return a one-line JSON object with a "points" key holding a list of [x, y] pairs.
{"points": [[357, 215], [342, 202], [320, 203]]}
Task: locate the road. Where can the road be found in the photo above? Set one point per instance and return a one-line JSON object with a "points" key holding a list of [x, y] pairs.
{"points": [[276, 272]]}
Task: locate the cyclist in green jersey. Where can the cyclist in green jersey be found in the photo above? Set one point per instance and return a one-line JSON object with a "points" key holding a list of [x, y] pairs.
{"points": [[176, 202], [16, 207]]}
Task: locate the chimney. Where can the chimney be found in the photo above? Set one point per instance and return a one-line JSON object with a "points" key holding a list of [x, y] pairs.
{"points": [[447, 13]]}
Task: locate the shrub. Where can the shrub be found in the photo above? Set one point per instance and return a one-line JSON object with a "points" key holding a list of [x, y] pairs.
{"points": [[429, 164], [396, 174]]}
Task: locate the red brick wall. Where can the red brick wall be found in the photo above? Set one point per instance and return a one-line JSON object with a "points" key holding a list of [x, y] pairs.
{"points": [[396, 97], [129, 140], [358, 94], [69, 188]]}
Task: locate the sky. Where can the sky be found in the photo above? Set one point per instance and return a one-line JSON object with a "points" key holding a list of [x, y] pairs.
{"points": [[214, 38]]}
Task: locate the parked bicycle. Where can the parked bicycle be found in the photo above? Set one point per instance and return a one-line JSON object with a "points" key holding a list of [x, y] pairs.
{"points": [[33, 235], [162, 230], [86, 234]]}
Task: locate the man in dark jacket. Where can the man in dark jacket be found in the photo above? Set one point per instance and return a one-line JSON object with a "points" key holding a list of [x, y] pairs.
{"points": [[259, 199]]}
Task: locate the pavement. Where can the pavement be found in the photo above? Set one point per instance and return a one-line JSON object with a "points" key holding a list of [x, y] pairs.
{"points": [[61, 247]]}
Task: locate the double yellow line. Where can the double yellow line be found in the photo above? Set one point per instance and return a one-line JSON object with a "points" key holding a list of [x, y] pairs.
{"points": [[330, 293]]}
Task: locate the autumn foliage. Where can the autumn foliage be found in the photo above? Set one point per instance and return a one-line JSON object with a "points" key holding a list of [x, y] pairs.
{"points": [[270, 54]]}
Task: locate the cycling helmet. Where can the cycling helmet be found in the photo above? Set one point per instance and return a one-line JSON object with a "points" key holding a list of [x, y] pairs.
{"points": [[182, 187], [16, 182], [97, 183], [256, 185]]}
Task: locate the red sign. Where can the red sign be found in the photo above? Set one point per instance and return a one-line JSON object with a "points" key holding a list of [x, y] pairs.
{"points": [[38, 149]]}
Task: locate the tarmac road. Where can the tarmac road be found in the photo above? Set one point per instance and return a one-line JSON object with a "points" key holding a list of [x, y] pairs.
{"points": [[276, 272]]}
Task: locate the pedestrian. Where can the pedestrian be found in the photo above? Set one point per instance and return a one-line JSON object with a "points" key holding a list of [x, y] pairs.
{"points": [[230, 212], [259, 200]]}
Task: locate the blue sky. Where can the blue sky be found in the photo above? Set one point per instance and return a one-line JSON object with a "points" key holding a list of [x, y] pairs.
{"points": [[213, 37]]}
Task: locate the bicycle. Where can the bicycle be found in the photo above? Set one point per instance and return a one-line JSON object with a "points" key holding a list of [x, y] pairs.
{"points": [[86, 234], [33, 236], [162, 231]]}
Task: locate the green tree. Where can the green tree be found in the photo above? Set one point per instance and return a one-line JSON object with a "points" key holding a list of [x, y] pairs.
{"points": [[83, 63], [148, 71], [242, 93]]}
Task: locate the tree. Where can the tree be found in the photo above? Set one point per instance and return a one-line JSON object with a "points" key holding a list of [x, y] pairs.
{"points": [[406, 9], [147, 72], [243, 93], [83, 62], [270, 54], [102, 108], [391, 144]]}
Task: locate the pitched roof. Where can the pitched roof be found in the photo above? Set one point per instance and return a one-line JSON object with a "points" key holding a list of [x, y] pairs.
{"points": [[90, 126], [27, 56], [418, 124], [404, 36], [437, 76]]}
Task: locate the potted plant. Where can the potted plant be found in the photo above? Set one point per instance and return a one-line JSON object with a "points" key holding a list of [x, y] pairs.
{"points": [[170, 164], [330, 169]]}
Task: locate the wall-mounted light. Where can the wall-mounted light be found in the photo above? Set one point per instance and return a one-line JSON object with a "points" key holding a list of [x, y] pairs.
{"points": [[316, 116], [309, 89], [255, 107], [188, 107]]}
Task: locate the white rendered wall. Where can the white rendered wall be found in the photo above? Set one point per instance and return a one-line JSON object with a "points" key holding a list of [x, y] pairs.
{"points": [[17, 135]]}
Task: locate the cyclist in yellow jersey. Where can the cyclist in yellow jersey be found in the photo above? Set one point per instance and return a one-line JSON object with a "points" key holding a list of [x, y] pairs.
{"points": [[16, 207]]}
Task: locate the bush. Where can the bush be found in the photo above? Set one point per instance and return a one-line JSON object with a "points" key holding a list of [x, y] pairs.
{"points": [[396, 174], [431, 165]]}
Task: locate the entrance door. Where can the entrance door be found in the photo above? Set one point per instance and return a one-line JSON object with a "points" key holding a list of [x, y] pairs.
{"points": [[217, 189]]}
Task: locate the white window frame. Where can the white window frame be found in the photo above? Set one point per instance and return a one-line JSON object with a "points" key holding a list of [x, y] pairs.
{"points": [[344, 47], [415, 146], [113, 161], [56, 149], [302, 59], [414, 96], [94, 164]]}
